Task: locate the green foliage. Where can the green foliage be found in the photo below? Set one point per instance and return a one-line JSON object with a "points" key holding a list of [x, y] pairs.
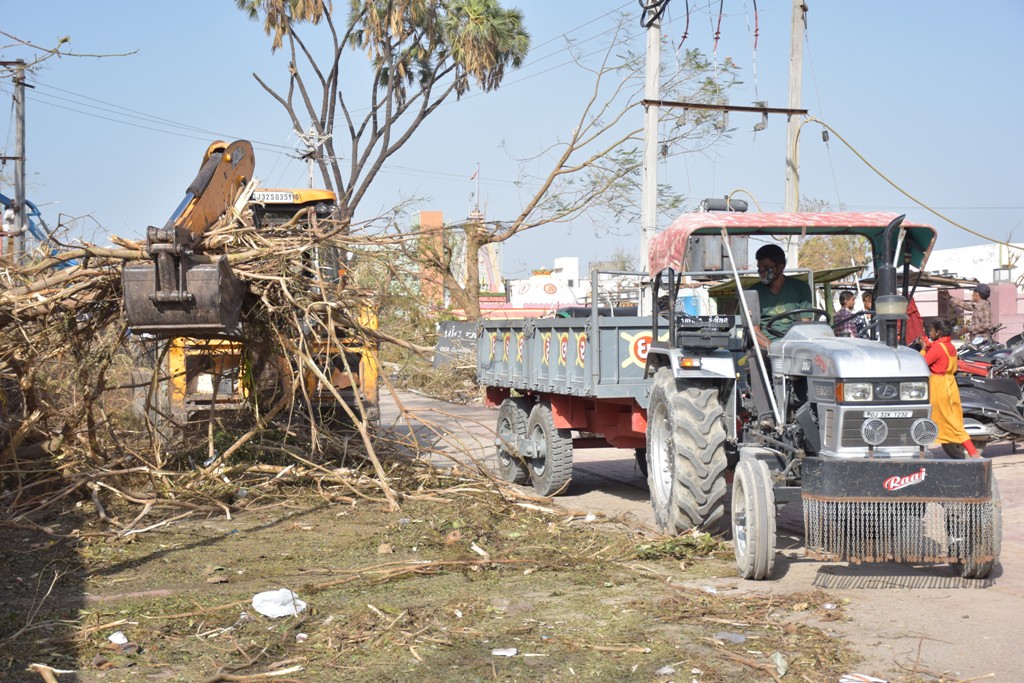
{"points": [[831, 251], [681, 547], [414, 42]]}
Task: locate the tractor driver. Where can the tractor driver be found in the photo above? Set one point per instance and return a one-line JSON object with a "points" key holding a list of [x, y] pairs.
{"points": [[776, 294]]}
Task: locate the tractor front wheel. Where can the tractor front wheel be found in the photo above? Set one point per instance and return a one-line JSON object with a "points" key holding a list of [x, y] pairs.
{"points": [[753, 519]]}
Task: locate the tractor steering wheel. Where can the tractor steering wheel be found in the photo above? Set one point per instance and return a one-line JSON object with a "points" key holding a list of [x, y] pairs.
{"points": [[769, 324]]}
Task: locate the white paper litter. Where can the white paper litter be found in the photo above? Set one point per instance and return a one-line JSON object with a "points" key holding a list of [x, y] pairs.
{"points": [[279, 603]]}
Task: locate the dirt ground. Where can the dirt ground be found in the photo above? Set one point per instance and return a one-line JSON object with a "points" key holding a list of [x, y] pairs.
{"points": [[466, 584], [461, 585], [906, 622]]}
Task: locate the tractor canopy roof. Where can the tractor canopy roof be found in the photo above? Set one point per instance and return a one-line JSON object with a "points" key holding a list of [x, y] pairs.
{"points": [[668, 249]]}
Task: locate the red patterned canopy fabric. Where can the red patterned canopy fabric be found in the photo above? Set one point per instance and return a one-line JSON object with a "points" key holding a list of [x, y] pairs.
{"points": [[669, 247]]}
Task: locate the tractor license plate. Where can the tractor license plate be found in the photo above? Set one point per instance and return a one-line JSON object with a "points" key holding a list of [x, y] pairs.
{"points": [[884, 414]]}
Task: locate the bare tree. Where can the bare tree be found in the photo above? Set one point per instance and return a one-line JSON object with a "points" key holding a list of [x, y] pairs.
{"points": [[421, 53], [595, 170], [831, 251]]}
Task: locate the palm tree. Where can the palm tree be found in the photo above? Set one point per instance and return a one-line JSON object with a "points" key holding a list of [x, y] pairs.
{"points": [[278, 15], [484, 38]]}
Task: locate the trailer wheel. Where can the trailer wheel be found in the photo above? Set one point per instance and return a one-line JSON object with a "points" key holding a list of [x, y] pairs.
{"points": [[513, 414], [641, 460], [753, 519], [551, 467], [979, 570], [686, 455]]}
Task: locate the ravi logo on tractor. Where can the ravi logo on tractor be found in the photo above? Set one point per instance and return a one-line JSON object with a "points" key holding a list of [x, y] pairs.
{"points": [[895, 483]]}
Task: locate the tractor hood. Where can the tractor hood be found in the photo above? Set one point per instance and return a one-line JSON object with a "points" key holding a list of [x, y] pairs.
{"points": [[810, 350]]}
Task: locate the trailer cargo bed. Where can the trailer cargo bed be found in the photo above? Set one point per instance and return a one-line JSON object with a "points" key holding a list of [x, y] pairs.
{"points": [[599, 357]]}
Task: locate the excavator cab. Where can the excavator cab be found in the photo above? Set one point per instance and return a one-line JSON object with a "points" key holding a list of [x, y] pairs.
{"points": [[183, 292], [350, 364]]}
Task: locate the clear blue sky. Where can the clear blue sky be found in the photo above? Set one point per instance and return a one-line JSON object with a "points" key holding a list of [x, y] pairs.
{"points": [[928, 92]]}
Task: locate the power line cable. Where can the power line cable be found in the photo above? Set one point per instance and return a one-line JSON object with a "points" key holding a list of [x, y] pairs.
{"points": [[926, 207], [149, 118]]}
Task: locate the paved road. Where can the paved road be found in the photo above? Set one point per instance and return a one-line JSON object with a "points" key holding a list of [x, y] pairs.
{"points": [[911, 621]]}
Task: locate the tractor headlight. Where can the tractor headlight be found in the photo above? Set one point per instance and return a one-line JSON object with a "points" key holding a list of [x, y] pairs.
{"points": [[857, 391], [914, 391]]}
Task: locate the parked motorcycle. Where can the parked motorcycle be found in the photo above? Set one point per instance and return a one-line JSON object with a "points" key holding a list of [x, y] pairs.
{"points": [[992, 400]]}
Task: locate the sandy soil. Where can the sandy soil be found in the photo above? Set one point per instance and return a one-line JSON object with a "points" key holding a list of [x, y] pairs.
{"points": [[911, 622]]}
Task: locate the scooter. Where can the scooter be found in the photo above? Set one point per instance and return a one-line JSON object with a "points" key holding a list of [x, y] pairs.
{"points": [[993, 410], [991, 361]]}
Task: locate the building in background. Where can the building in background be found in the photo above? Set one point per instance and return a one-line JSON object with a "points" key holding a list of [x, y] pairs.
{"points": [[429, 225], [998, 266], [491, 281]]}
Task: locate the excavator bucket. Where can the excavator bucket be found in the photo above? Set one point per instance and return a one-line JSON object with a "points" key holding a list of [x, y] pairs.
{"points": [[212, 308], [179, 293]]}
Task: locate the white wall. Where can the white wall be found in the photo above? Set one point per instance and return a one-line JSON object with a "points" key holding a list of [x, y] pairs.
{"points": [[977, 262]]}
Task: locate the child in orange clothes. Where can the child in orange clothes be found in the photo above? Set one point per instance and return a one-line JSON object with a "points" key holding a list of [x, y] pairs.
{"points": [[947, 412]]}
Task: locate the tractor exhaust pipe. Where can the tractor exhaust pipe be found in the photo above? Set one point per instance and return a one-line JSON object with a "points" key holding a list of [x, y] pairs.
{"points": [[890, 307]]}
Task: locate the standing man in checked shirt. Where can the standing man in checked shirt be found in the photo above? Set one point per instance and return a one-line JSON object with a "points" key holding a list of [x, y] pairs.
{"points": [[981, 323]]}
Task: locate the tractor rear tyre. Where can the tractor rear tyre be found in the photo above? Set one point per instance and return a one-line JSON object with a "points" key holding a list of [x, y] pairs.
{"points": [[979, 570], [753, 519], [513, 415], [551, 466], [686, 455]]}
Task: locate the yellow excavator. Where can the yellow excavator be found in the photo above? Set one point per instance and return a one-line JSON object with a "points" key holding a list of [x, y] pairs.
{"points": [[186, 306]]}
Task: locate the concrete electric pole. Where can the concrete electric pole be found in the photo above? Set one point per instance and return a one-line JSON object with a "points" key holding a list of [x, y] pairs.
{"points": [[312, 140], [652, 95], [16, 243], [796, 59]]}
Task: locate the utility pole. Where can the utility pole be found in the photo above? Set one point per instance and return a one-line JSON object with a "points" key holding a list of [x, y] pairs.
{"points": [[17, 242], [652, 102], [652, 94], [796, 59], [312, 141]]}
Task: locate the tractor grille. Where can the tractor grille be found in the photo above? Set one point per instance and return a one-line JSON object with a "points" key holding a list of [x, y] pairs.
{"points": [[899, 429], [899, 530]]}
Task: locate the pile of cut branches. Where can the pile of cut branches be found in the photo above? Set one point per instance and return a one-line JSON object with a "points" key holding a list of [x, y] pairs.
{"points": [[78, 403]]}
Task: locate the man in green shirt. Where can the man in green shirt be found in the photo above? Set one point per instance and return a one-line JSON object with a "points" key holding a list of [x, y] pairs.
{"points": [[776, 292]]}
